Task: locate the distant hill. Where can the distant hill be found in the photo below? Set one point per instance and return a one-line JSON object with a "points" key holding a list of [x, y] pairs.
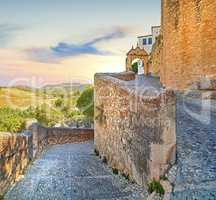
{"points": [[17, 97], [67, 86], [22, 96]]}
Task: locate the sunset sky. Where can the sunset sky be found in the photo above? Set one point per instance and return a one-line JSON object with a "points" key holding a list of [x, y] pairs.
{"points": [[55, 41]]}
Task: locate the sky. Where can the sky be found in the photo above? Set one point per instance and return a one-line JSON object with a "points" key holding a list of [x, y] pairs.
{"points": [[57, 41]]}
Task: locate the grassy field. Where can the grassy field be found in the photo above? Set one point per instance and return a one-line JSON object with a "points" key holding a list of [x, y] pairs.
{"points": [[21, 99]]}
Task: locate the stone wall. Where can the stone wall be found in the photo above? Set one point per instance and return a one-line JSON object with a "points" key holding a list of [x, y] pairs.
{"points": [[15, 154], [189, 40], [67, 135], [125, 76], [156, 57], [17, 150], [136, 134]]}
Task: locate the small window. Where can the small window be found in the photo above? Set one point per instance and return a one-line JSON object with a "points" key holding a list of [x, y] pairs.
{"points": [[145, 41], [150, 41]]}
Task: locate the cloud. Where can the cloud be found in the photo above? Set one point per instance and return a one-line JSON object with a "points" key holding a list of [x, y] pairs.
{"points": [[7, 33], [63, 49]]}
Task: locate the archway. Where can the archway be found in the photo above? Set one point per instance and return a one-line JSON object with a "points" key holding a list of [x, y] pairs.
{"points": [[137, 66], [137, 54]]}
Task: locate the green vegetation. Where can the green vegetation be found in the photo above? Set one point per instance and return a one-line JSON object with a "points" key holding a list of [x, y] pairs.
{"points": [[164, 178], [135, 67], [155, 186], [1, 197], [115, 171], [11, 120], [85, 102], [49, 107], [96, 152]]}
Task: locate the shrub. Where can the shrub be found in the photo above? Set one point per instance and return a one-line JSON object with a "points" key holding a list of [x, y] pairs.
{"points": [[85, 102], [96, 152], [1, 197], [11, 120], [164, 178], [59, 102], [115, 171], [155, 186]]}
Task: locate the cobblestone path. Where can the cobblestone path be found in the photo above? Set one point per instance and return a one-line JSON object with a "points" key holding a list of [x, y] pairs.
{"points": [[73, 172], [196, 150]]}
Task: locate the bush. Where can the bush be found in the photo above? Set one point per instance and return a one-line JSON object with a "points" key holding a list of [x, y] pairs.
{"points": [[96, 152], [115, 171], [85, 102], [11, 120], [155, 186], [59, 102], [1, 197]]}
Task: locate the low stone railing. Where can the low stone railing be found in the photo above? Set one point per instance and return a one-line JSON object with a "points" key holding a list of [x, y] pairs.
{"points": [[18, 150], [42, 137]]}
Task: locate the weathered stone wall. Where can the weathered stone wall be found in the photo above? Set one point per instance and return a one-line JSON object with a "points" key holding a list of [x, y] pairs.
{"points": [[135, 133], [15, 154], [189, 41], [156, 57], [17, 150], [67, 135]]}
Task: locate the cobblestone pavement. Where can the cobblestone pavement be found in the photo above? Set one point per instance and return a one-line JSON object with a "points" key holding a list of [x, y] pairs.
{"points": [[73, 172], [196, 150]]}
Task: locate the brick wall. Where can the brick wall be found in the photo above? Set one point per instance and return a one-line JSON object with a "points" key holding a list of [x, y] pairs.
{"points": [[189, 41]]}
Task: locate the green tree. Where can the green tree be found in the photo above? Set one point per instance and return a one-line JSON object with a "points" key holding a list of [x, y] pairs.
{"points": [[59, 102], [135, 67], [85, 102]]}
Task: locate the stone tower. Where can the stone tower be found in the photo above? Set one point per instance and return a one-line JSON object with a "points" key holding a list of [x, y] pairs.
{"points": [[189, 42]]}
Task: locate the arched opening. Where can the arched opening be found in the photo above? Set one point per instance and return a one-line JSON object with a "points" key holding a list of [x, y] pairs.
{"points": [[137, 66], [137, 61]]}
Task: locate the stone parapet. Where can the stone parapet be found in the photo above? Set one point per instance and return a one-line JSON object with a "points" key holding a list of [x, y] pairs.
{"points": [[135, 126], [15, 154]]}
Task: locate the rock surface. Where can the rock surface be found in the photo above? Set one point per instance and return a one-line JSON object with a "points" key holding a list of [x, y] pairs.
{"points": [[73, 172]]}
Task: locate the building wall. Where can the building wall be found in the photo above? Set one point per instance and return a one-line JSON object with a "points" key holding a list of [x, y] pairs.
{"points": [[189, 42], [148, 47], [155, 32], [136, 135]]}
